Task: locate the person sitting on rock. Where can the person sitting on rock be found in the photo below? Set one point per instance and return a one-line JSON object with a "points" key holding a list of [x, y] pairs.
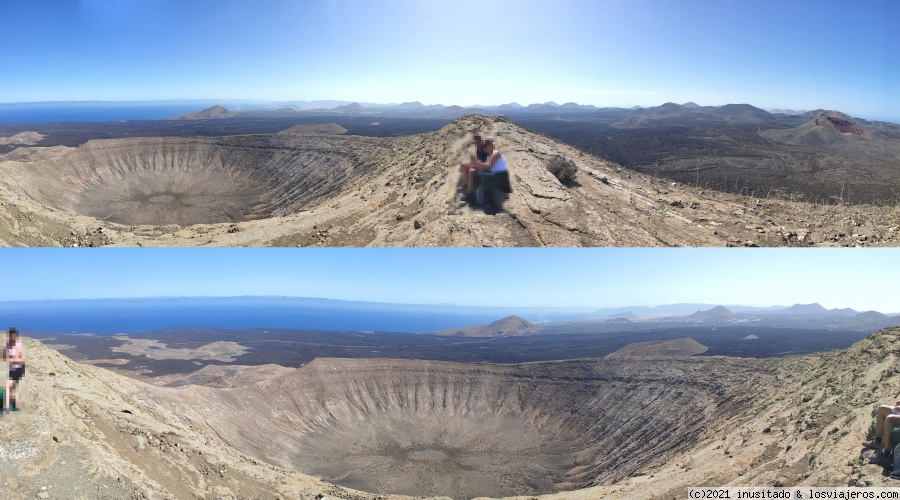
{"points": [[886, 419], [480, 156], [14, 353], [495, 163]]}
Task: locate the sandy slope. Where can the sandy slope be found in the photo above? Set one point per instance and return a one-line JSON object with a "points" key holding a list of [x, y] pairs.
{"points": [[86, 432]]}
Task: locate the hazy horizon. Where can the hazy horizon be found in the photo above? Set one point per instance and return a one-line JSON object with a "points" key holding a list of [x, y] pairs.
{"points": [[547, 277], [604, 53], [561, 309]]}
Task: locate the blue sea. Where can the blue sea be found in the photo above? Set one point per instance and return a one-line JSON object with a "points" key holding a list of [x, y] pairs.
{"points": [[62, 112], [137, 315]]}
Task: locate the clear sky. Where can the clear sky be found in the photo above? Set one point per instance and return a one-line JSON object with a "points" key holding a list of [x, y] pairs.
{"points": [[601, 277], [833, 54]]}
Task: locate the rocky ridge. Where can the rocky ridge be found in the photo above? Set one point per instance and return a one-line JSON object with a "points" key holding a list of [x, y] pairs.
{"points": [[85, 432]]}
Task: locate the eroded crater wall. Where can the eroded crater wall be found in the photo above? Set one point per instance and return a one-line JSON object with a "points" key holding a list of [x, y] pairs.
{"points": [[185, 181], [463, 430]]}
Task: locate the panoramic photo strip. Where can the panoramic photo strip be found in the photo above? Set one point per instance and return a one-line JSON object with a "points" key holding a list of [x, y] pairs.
{"points": [[454, 249]]}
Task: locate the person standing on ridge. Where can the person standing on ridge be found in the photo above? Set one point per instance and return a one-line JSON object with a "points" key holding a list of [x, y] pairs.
{"points": [[14, 354]]}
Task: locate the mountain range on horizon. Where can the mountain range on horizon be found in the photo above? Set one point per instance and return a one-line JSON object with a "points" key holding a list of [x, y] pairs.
{"points": [[105, 316], [347, 106], [824, 127], [656, 311], [687, 309]]}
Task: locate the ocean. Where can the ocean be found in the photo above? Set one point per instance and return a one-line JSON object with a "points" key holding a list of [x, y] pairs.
{"points": [[136, 315], [65, 112]]}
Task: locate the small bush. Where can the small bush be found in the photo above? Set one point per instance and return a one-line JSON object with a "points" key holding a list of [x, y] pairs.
{"points": [[562, 169], [769, 240]]}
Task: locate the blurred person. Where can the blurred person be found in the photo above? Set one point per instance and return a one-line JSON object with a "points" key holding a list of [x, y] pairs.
{"points": [[494, 163], [480, 156], [14, 354]]}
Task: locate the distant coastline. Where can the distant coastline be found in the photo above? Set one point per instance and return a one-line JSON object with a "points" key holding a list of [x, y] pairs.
{"points": [[78, 112], [106, 316]]}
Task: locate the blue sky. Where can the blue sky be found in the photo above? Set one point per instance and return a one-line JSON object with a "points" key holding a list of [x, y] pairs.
{"points": [[771, 53], [602, 277]]}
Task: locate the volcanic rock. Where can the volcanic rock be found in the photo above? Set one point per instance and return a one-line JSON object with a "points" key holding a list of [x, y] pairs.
{"points": [[844, 125]]}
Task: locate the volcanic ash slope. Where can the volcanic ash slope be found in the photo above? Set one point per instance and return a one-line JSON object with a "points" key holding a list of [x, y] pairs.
{"points": [[339, 190], [86, 432], [623, 428]]}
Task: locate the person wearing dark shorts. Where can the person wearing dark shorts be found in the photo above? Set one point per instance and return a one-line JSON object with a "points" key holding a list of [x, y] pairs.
{"points": [[14, 354], [16, 373]]}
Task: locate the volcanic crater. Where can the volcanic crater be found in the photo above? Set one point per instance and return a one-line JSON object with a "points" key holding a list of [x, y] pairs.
{"points": [[312, 187], [464, 430], [186, 181], [622, 428]]}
